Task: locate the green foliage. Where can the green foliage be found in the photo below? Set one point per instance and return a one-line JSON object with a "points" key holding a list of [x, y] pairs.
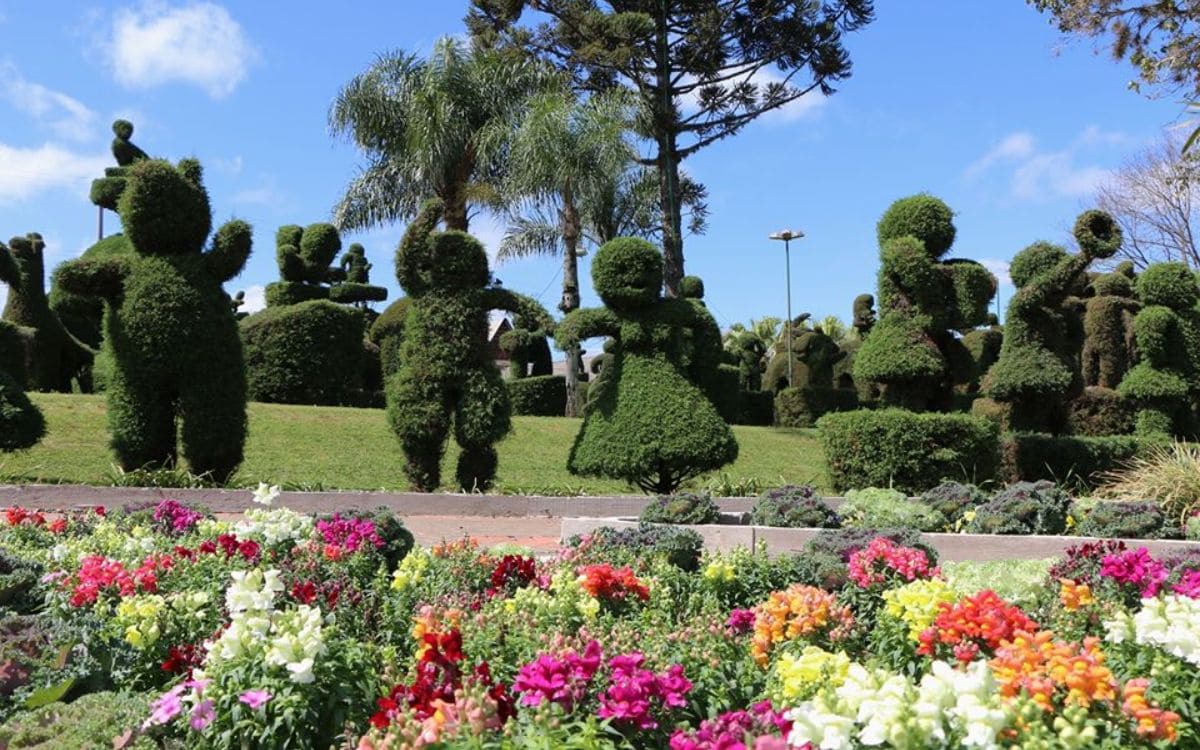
{"points": [[793, 506], [1107, 324], [802, 407], [1023, 508], [678, 546], [1077, 459], [983, 347], [539, 396], [907, 451], [1100, 411], [1166, 473], [952, 500], [756, 408], [683, 508], [627, 273], [1126, 520], [93, 721], [168, 327], [387, 332], [83, 316], [308, 353], [1038, 259], [923, 217], [876, 508], [1192, 530]]}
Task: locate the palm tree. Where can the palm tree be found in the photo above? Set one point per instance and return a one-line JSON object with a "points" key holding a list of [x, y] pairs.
{"points": [[419, 122]]}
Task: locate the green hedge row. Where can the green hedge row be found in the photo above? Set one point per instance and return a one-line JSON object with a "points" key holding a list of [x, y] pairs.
{"points": [[802, 407], [538, 396], [1066, 459]]}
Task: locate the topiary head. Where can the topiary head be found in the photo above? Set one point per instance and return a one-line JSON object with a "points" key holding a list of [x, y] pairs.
{"points": [[123, 129], [627, 273], [1034, 261], [164, 208], [28, 247], [1097, 234], [319, 245], [691, 287], [921, 216], [1112, 285], [458, 261], [1169, 284]]}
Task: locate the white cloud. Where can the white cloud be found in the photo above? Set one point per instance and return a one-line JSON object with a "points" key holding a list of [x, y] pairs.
{"points": [[25, 172], [266, 194], [255, 299], [229, 166], [65, 115], [1038, 174], [198, 43], [1019, 145], [999, 269]]}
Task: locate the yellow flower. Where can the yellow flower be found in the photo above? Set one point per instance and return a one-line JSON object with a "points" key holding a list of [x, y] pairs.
{"points": [[916, 604], [798, 678], [411, 569], [720, 571], [1074, 595]]}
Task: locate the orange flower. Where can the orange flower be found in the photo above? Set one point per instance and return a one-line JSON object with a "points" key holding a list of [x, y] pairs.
{"points": [[1075, 595], [1151, 722], [1046, 670], [799, 612], [430, 620]]}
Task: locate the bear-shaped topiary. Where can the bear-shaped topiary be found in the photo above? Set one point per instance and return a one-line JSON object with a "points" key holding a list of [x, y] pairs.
{"points": [[171, 338], [645, 421], [1108, 329], [56, 358], [912, 354], [21, 422], [446, 375], [1165, 383], [1038, 371]]}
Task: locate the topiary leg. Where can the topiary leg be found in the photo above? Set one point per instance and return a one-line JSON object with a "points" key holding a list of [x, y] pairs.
{"points": [[418, 413], [141, 420], [214, 424], [21, 422], [481, 419]]}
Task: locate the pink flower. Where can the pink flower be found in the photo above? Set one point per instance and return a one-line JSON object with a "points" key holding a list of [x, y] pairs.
{"points": [[1189, 585], [633, 692], [1135, 568], [166, 707], [883, 560], [202, 715], [734, 729], [255, 699], [740, 621], [562, 680]]}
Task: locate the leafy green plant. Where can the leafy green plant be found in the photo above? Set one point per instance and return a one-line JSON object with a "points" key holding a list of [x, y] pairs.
{"points": [[1023, 508], [876, 508], [682, 507], [169, 478], [953, 500], [1191, 531], [793, 507], [1168, 474], [1129, 519], [725, 485], [95, 720]]}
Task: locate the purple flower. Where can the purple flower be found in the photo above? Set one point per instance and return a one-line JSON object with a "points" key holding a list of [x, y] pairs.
{"points": [[202, 715], [734, 729], [349, 533], [176, 518], [740, 621], [255, 699]]}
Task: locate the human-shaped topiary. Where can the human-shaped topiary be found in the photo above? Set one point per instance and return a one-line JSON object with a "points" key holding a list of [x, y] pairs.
{"points": [[864, 314], [106, 191], [646, 422], [355, 265], [863, 320], [355, 288], [305, 256], [176, 357], [56, 358], [982, 346], [702, 357], [1037, 373], [1108, 328], [1165, 384], [528, 351], [21, 422], [923, 300], [446, 376]]}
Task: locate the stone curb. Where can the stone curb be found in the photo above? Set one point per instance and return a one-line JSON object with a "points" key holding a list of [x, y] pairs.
{"points": [[950, 547]]}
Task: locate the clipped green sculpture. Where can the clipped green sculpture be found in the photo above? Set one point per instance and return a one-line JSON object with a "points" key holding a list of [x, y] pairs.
{"points": [[1108, 330], [528, 350], [305, 256], [56, 358], [983, 347], [646, 422], [703, 355], [1165, 384], [21, 422], [176, 357], [355, 265], [911, 353], [387, 333], [447, 378], [814, 356], [864, 314], [106, 191], [1037, 373]]}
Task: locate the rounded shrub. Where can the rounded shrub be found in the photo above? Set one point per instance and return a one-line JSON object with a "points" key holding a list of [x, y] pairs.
{"points": [[877, 508], [538, 396], [1126, 520], [1023, 508], [1100, 411], [802, 407], [682, 507], [310, 353], [793, 506], [923, 217]]}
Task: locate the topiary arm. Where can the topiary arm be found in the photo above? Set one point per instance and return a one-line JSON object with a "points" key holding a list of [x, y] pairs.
{"points": [[413, 255], [230, 249], [584, 324], [534, 317], [10, 273], [93, 278]]}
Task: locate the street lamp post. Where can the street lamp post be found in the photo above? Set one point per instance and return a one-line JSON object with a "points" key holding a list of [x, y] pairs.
{"points": [[787, 235]]}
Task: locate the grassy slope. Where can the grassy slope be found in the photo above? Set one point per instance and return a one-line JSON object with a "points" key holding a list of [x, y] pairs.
{"points": [[328, 448]]}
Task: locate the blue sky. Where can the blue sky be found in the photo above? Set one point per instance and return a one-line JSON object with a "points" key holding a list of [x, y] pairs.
{"points": [[982, 103]]}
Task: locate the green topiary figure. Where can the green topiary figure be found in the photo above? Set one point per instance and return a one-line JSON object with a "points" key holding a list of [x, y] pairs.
{"points": [[1107, 329], [387, 333], [982, 345], [21, 422], [863, 314], [1164, 385], [106, 191], [912, 354], [1038, 373], [446, 373], [56, 358], [305, 256], [703, 353], [173, 343], [354, 264], [356, 288], [646, 422], [528, 351]]}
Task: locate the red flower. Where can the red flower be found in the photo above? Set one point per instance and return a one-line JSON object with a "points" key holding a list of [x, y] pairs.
{"points": [[605, 582], [58, 525], [304, 592]]}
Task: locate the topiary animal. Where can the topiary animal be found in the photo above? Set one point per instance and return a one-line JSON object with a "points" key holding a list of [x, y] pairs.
{"points": [[446, 375], [1166, 382], [168, 329], [922, 300], [1038, 372], [21, 422], [1107, 328], [645, 422], [56, 358]]}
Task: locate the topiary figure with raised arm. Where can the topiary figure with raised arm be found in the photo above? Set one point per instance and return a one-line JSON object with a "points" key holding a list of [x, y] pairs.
{"points": [[446, 375], [646, 422], [168, 329]]}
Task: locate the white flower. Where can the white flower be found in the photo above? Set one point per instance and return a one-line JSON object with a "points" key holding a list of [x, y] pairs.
{"points": [[275, 526], [265, 494], [813, 721]]}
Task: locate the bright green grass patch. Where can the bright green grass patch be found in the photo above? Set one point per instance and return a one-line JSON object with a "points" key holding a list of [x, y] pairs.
{"points": [[317, 447]]}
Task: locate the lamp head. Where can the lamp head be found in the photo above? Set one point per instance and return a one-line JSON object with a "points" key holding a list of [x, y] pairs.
{"points": [[787, 234]]}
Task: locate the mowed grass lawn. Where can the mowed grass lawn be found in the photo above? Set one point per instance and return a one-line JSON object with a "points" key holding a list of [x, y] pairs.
{"points": [[312, 447]]}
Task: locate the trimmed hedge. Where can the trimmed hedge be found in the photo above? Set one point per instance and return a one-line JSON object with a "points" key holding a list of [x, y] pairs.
{"points": [[538, 396], [1076, 459], [802, 407], [310, 353], [909, 451]]}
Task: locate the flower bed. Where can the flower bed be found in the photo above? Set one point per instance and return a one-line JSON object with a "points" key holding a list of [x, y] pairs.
{"points": [[283, 630]]}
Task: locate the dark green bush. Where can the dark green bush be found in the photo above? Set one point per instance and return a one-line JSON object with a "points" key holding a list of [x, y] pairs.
{"points": [[907, 451], [83, 315], [876, 508], [639, 545], [1071, 459], [387, 332], [681, 508], [1023, 508], [802, 407], [923, 217], [793, 507], [538, 396], [757, 408], [952, 500], [310, 353], [21, 422], [1100, 411], [1126, 520]]}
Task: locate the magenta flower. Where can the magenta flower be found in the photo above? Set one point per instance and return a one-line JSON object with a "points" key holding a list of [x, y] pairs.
{"points": [[1189, 585], [633, 692], [1135, 568], [562, 680], [165, 708], [202, 715], [740, 621], [255, 699], [734, 730]]}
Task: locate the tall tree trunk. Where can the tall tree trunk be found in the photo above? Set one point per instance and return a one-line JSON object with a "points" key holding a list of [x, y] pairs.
{"points": [[571, 231], [663, 109], [454, 211]]}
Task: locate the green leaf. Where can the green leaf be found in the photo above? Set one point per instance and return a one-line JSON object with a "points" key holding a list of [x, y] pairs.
{"points": [[49, 694]]}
